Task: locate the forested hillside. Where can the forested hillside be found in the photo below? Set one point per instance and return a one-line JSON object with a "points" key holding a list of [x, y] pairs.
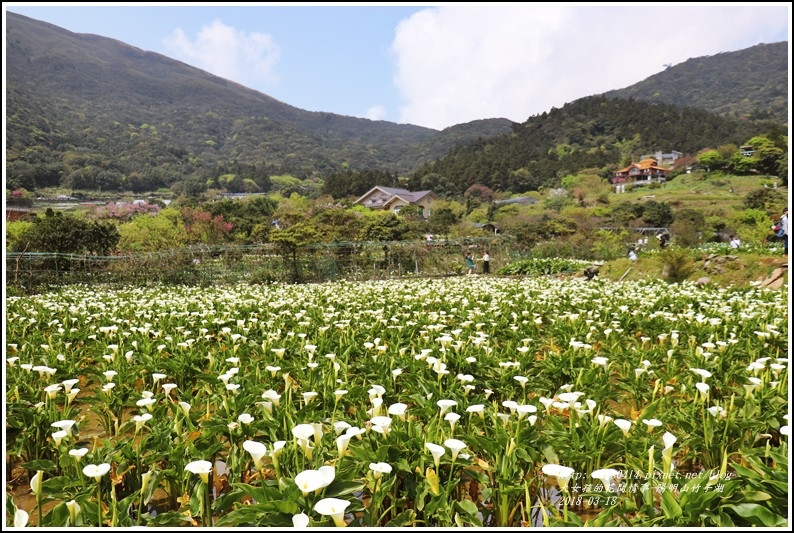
{"points": [[593, 132], [87, 112], [750, 83]]}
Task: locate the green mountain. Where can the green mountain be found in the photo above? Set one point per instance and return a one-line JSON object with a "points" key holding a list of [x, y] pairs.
{"points": [[88, 112], [750, 83], [703, 102], [593, 132]]}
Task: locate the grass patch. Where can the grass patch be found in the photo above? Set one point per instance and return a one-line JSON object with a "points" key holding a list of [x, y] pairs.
{"points": [[740, 272]]}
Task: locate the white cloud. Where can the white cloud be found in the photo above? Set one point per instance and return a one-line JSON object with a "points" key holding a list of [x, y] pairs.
{"points": [[376, 112], [247, 58], [455, 64]]}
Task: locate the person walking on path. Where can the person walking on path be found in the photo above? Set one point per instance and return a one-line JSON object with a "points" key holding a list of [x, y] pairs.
{"points": [[469, 264], [486, 263]]}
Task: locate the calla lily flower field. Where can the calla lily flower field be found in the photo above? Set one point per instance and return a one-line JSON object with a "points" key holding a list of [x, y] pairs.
{"points": [[467, 401]]}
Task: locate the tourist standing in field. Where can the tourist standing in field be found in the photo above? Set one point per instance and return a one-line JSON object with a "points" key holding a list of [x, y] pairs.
{"points": [[784, 230], [469, 264], [486, 263], [663, 239], [735, 242], [632, 254]]}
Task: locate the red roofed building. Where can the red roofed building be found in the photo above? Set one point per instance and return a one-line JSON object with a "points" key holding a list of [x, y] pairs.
{"points": [[646, 170]]}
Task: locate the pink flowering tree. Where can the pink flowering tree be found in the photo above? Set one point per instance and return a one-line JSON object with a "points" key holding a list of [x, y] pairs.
{"points": [[204, 228], [125, 211]]}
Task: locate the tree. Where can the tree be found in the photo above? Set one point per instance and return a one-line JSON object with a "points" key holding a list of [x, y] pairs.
{"points": [[608, 245], [412, 213], [193, 186], [19, 198], [153, 233], [337, 224], [292, 239], [527, 231], [727, 150], [782, 169], [101, 238], [657, 214], [244, 214], [15, 233], [483, 193], [56, 232], [443, 185], [767, 158], [442, 219], [623, 214], [66, 234], [766, 154], [712, 160], [203, 228], [741, 164], [628, 149], [292, 210], [557, 200], [384, 226]]}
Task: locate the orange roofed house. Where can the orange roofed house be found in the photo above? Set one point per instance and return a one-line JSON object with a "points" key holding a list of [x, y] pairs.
{"points": [[646, 171], [395, 199]]}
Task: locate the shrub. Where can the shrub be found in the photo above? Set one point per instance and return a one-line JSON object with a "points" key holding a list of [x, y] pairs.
{"points": [[677, 264], [15, 232], [753, 226], [535, 267], [765, 199], [688, 227], [687, 233], [657, 214], [19, 198], [609, 245], [568, 247]]}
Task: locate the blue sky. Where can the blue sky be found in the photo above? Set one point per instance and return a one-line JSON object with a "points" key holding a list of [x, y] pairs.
{"points": [[436, 65]]}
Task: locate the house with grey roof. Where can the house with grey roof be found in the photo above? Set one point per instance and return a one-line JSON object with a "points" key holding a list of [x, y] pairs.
{"points": [[521, 200], [395, 199]]}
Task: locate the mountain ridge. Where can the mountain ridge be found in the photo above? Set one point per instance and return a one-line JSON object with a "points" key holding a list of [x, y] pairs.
{"points": [[89, 91], [721, 82], [87, 112]]}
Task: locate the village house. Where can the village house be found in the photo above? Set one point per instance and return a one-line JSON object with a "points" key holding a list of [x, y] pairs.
{"points": [[644, 172], [747, 151], [521, 200], [666, 159], [395, 199]]}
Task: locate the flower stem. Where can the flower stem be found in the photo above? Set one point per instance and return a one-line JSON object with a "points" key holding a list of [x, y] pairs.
{"points": [[38, 510], [99, 504], [114, 517], [140, 508], [208, 505]]}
